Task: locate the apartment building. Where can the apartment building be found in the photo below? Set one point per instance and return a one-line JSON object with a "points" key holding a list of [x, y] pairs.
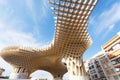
{"points": [[95, 70], [105, 65], [112, 50]]}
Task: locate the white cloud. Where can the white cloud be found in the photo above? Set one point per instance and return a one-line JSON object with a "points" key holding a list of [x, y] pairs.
{"points": [[11, 37], [107, 19]]}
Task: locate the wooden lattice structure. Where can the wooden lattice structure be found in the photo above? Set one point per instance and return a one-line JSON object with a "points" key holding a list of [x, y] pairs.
{"points": [[70, 42]]}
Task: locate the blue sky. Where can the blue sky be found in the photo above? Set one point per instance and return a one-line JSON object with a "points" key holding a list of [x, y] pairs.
{"points": [[31, 23]]}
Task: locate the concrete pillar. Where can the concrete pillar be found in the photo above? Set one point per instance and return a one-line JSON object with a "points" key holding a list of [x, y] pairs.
{"points": [[76, 68], [19, 73], [58, 77]]}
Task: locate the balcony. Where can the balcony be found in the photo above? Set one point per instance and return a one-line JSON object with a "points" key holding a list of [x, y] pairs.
{"points": [[116, 62], [114, 54], [117, 65]]}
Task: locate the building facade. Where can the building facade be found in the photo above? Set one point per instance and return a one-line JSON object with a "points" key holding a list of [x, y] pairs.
{"points": [[95, 70], [112, 50], [106, 64]]}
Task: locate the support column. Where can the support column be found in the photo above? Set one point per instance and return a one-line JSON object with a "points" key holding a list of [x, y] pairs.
{"points": [[58, 77], [19, 73], [76, 68]]}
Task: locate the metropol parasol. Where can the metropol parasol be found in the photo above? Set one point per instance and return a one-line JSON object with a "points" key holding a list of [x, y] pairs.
{"points": [[70, 42]]}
